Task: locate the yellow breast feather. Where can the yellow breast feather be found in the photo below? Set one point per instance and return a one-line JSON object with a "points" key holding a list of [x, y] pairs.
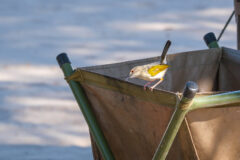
{"points": [[154, 70]]}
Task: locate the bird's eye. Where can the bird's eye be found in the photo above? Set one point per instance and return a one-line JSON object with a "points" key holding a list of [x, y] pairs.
{"points": [[131, 71]]}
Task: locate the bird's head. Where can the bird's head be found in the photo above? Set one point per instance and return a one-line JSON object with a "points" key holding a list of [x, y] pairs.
{"points": [[135, 72]]}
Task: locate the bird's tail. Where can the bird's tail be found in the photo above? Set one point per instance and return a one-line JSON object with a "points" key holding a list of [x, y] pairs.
{"points": [[165, 49]]}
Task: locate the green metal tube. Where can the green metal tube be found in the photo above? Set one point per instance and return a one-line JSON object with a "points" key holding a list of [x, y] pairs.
{"points": [[176, 120], [85, 108], [210, 40], [213, 45], [216, 100], [170, 134]]}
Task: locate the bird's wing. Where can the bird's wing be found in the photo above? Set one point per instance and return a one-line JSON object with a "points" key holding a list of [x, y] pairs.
{"points": [[154, 70]]}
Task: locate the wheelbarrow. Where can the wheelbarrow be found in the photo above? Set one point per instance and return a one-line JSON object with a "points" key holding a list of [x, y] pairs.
{"points": [[193, 114]]}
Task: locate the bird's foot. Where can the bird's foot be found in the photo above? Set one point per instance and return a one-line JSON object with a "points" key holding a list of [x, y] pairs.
{"points": [[146, 85], [151, 89], [145, 88], [155, 85]]}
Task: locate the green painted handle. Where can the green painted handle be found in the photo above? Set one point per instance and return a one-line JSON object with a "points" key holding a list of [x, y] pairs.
{"points": [[210, 40], [177, 118], [84, 105]]}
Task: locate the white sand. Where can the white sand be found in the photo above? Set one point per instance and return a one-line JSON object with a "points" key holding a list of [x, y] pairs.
{"points": [[39, 118]]}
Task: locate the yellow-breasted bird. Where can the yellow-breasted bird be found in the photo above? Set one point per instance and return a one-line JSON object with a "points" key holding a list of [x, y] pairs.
{"points": [[153, 71]]}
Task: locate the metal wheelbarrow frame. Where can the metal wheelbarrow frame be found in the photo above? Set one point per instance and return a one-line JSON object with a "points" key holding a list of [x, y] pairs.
{"points": [[186, 104]]}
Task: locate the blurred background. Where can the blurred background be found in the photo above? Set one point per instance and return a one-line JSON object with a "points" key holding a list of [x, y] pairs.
{"points": [[39, 118]]}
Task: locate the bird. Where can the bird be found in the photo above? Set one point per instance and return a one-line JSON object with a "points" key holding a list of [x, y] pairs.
{"points": [[153, 71]]}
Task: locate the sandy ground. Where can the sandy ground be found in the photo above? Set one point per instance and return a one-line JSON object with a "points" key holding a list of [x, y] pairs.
{"points": [[39, 118]]}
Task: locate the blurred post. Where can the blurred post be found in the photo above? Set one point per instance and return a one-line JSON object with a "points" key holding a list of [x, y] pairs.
{"points": [[237, 16]]}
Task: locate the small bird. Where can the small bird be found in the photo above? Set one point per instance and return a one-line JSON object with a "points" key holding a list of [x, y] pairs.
{"points": [[153, 71]]}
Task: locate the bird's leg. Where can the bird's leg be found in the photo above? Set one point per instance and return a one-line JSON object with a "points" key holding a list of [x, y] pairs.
{"points": [[145, 86], [155, 85]]}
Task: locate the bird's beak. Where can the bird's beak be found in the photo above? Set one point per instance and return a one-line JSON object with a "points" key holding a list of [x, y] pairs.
{"points": [[130, 76]]}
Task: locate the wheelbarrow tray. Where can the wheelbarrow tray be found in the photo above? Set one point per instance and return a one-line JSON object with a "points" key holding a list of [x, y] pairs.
{"points": [[133, 120]]}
